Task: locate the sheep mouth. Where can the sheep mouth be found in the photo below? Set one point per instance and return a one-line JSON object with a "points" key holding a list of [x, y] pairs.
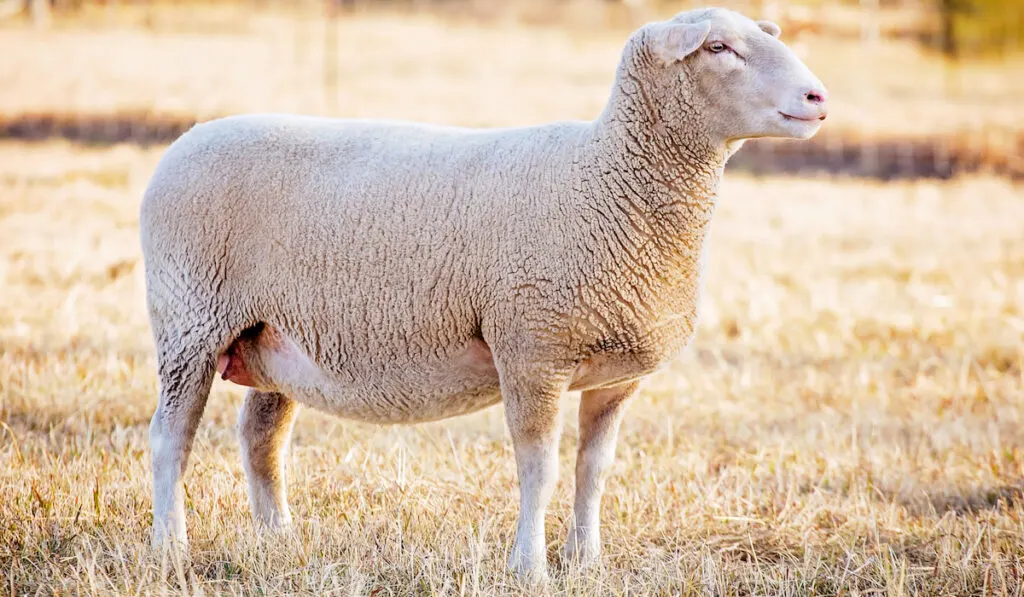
{"points": [[812, 119]]}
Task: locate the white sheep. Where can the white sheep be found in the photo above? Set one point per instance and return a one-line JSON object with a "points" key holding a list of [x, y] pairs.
{"points": [[394, 273]]}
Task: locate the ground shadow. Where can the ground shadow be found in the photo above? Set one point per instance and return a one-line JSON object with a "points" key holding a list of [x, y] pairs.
{"points": [[882, 159], [963, 500], [139, 128]]}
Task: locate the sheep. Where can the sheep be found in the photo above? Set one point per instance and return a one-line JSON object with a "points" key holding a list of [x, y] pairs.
{"points": [[393, 272]]}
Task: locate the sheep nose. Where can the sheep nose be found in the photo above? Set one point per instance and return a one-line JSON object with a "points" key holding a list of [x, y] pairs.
{"points": [[818, 98]]}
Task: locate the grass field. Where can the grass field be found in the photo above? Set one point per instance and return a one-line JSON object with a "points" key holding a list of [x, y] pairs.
{"points": [[847, 421]]}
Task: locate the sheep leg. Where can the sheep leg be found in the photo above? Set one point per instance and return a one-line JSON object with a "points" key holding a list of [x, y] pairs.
{"points": [[264, 428], [601, 413], [185, 380], [535, 426]]}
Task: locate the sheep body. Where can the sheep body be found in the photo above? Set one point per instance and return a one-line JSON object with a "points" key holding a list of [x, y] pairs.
{"points": [[385, 259]]}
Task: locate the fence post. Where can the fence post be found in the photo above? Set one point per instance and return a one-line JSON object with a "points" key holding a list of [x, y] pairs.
{"points": [[869, 26], [331, 58], [40, 11]]}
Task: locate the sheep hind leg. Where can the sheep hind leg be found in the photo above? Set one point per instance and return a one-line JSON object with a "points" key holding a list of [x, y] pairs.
{"points": [[601, 413], [185, 380], [264, 427]]}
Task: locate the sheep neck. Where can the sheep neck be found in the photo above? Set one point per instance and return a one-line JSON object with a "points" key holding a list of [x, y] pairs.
{"points": [[657, 166], [661, 147], [669, 169]]}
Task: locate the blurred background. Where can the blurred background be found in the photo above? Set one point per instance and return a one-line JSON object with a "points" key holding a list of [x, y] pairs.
{"points": [[926, 88], [849, 418]]}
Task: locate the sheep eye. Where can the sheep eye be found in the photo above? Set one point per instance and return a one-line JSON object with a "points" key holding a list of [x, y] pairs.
{"points": [[717, 47]]}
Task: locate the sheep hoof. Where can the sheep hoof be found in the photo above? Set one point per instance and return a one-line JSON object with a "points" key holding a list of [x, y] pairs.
{"points": [[528, 571], [581, 555], [169, 544]]}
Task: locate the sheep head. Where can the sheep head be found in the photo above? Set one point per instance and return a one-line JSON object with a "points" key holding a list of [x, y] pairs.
{"points": [[728, 74]]}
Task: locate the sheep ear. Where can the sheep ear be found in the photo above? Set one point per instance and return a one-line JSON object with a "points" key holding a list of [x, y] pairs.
{"points": [[770, 28], [675, 41]]}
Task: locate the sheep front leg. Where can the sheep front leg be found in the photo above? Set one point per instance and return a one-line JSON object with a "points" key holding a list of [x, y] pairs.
{"points": [[601, 413], [534, 424], [265, 424]]}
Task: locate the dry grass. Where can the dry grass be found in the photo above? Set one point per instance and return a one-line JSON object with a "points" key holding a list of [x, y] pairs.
{"points": [[848, 420]]}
